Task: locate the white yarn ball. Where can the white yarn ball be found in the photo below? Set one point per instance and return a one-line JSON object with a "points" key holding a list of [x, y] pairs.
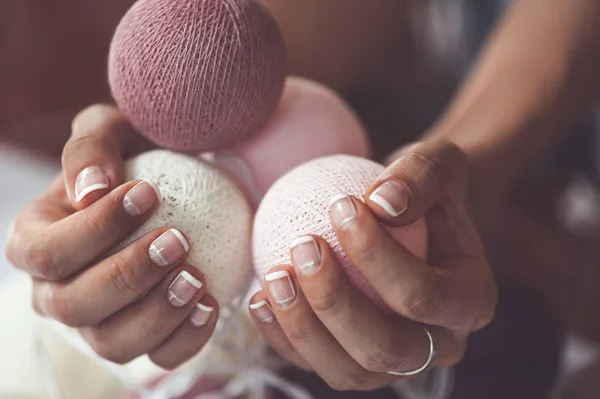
{"points": [[209, 209]]}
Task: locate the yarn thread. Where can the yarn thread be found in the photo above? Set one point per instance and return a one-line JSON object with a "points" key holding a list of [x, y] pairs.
{"points": [[197, 75], [298, 204]]}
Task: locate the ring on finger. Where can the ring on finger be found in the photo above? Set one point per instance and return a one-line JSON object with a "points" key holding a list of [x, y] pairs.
{"points": [[427, 363]]}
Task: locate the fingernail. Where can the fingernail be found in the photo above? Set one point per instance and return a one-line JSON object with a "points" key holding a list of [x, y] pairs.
{"points": [[342, 211], [281, 287], [167, 248], [141, 198], [183, 289], [305, 255], [392, 196], [262, 311], [90, 179], [201, 314]]}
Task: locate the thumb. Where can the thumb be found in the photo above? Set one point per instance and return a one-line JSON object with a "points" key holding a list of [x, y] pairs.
{"points": [[92, 158], [424, 174]]}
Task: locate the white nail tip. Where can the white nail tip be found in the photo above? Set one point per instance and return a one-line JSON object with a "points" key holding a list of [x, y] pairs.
{"points": [[257, 305], [205, 308], [181, 239], [191, 279], [99, 186], [302, 240], [384, 204], [276, 275], [336, 198]]}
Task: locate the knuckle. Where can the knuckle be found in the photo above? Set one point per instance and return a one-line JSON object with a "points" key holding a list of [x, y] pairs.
{"points": [[61, 309], [40, 260], [164, 363], [105, 346], [177, 355], [381, 361], [123, 278], [350, 381], [421, 304], [76, 145], [327, 302], [108, 351], [429, 167], [300, 333], [486, 317], [159, 326], [97, 222], [369, 250]]}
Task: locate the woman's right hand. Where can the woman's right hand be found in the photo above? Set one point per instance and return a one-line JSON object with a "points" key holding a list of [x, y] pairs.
{"points": [[142, 299]]}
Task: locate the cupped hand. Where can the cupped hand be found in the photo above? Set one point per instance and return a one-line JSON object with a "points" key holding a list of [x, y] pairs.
{"points": [[314, 317], [126, 302]]}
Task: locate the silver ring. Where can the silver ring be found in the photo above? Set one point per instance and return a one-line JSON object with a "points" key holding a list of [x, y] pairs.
{"points": [[427, 362]]}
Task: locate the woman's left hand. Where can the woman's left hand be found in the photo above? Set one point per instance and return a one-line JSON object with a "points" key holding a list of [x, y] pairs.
{"points": [[314, 317]]}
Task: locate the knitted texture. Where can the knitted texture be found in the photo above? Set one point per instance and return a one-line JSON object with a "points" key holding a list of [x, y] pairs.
{"points": [[297, 204], [197, 75], [209, 209]]}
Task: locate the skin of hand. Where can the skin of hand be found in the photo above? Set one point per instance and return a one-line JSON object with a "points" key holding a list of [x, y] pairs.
{"points": [[141, 299], [314, 317]]}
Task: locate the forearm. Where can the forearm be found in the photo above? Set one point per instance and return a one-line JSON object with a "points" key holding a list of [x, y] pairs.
{"points": [[536, 77]]}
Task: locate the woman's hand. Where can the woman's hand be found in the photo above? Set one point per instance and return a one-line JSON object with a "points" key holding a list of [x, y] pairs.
{"points": [[141, 299], [314, 317]]}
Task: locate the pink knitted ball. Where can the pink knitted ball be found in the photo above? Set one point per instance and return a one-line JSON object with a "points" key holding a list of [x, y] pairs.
{"points": [[297, 204], [310, 121], [197, 75]]}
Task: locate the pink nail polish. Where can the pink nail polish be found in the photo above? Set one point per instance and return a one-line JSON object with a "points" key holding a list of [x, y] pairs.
{"points": [[183, 289], [168, 248], [263, 311], [281, 288], [342, 211], [141, 198], [305, 255], [391, 196], [201, 314], [89, 180]]}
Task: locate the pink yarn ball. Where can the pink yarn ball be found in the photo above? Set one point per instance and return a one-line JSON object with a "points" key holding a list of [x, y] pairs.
{"points": [[197, 75], [298, 204], [310, 121]]}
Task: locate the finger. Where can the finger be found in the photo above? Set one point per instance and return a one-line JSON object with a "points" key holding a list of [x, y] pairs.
{"points": [[267, 325], [66, 246], [142, 327], [48, 208], [118, 280], [379, 342], [312, 340], [423, 175], [92, 158], [442, 296], [191, 336]]}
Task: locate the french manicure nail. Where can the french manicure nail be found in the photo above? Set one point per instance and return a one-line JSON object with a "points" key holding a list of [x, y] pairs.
{"points": [[262, 311], [281, 288], [305, 255], [392, 196], [167, 248], [183, 289], [342, 211], [141, 198], [201, 314], [90, 179]]}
